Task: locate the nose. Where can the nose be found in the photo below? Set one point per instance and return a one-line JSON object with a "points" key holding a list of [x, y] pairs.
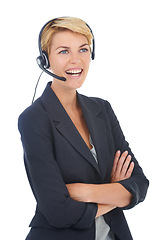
{"points": [[74, 58]]}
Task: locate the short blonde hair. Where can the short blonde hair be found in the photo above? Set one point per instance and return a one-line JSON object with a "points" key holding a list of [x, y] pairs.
{"points": [[61, 24]]}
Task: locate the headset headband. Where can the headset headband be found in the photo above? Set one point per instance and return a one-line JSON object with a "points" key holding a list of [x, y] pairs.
{"points": [[44, 57], [43, 61]]}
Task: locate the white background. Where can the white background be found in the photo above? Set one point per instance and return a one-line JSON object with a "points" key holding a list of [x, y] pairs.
{"points": [[126, 71]]}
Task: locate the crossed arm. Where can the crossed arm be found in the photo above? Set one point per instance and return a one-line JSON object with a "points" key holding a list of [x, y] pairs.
{"points": [[107, 196]]}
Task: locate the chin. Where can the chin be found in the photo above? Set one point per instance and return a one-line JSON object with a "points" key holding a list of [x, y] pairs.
{"points": [[75, 84]]}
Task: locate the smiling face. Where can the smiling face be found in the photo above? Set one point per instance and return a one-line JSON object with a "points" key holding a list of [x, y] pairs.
{"points": [[70, 58]]}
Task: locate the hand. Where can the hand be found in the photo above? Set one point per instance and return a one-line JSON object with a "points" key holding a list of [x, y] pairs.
{"points": [[122, 168], [103, 209]]}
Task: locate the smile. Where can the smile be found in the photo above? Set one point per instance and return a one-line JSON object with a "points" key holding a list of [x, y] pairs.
{"points": [[75, 72]]}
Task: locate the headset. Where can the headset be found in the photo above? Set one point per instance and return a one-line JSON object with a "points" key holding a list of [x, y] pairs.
{"points": [[43, 60]]}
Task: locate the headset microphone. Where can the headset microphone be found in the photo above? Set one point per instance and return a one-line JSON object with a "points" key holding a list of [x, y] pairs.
{"points": [[43, 67]]}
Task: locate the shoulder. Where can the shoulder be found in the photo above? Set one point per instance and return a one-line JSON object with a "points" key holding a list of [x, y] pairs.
{"points": [[33, 111], [99, 106], [97, 102], [37, 111], [33, 117]]}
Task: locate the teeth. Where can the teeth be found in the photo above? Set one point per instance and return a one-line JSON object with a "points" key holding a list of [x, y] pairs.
{"points": [[78, 71]]}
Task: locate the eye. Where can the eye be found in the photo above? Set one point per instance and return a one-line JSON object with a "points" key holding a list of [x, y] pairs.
{"points": [[84, 50], [63, 52]]}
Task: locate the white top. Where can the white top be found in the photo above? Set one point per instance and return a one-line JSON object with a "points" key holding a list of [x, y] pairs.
{"points": [[103, 231]]}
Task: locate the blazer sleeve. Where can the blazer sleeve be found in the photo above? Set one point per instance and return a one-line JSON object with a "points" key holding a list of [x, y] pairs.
{"points": [[137, 184], [45, 178]]}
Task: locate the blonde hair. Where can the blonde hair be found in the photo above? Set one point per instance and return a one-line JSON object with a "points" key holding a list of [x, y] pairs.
{"points": [[61, 24]]}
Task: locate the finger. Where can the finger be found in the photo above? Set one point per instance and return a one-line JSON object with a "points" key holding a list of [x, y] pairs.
{"points": [[126, 165], [116, 158], [130, 170], [121, 162]]}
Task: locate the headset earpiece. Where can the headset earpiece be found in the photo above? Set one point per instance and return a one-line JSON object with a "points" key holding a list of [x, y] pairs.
{"points": [[43, 61], [46, 60]]}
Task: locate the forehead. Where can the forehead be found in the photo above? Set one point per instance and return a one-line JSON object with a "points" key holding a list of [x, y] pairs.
{"points": [[68, 38]]}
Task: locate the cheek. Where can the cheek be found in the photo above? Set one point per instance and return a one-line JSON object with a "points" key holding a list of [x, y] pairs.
{"points": [[87, 64], [56, 64]]}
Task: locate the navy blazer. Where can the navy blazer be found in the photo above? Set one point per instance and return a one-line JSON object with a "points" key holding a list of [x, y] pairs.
{"points": [[55, 154]]}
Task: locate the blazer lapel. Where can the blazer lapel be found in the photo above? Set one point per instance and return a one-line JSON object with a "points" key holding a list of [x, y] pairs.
{"points": [[65, 126], [94, 117], [69, 131]]}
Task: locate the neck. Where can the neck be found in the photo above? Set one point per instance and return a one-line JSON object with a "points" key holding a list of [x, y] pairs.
{"points": [[68, 98]]}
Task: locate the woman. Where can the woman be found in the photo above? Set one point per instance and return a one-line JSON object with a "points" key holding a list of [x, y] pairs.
{"points": [[79, 165]]}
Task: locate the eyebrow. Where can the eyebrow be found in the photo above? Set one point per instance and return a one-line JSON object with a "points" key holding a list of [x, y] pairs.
{"points": [[85, 44]]}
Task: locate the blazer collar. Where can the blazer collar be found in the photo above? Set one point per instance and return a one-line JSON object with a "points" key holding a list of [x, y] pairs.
{"points": [[92, 113]]}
